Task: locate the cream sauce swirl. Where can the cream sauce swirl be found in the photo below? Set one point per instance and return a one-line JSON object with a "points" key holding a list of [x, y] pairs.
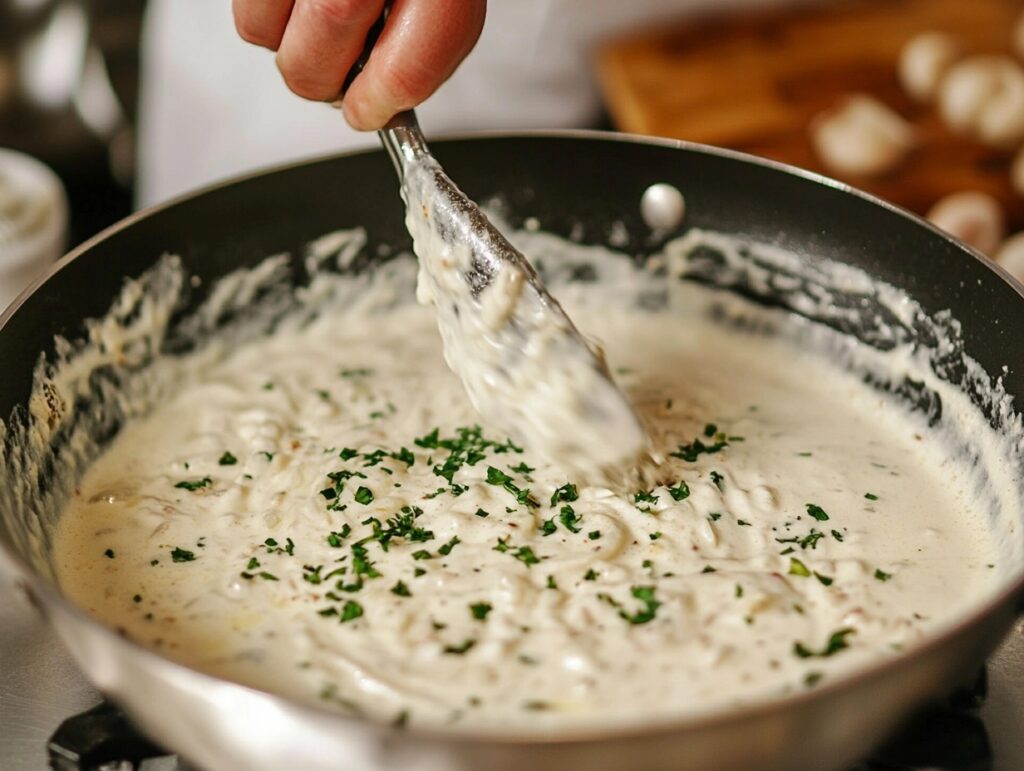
{"points": [[318, 514]]}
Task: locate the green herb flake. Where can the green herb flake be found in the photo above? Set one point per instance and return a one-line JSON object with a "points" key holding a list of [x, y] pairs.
{"points": [[680, 492], [227, 459], [646, 595], [825, 580], [817, 512], [364, 495], [459, 650], [708, 569], [566, 493], [591, 575], [811, 679], [739, 591], [692, 451], [182, 555], [401, 590], [714, 516], [479, 610], [719, 480], [570, 519], [194, 484], [871, 496], [881, 575], [797, 568], [422, 554], [351, 611], [109, 554], [593, 535], [655, 535], [446, 549], [525, 555], [551, 583], [836, 642]]}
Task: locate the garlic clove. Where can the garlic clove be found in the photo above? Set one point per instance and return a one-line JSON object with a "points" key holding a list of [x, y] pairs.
{"points": [[983, 96], [1011, 256], [861, 136], [923, 62], [975, 218]]}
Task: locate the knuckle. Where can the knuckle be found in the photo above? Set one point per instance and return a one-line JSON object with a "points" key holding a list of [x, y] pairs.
{"points": [[338, 13], [308, 88], [302, 83], [408, 85]]}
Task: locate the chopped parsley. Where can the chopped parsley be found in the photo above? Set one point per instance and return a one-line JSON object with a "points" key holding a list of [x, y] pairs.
{"points": [[570, 519], [481, 513], [593, 535], [401, 590], [458, 650], [194, 484], [109, 554], [446, 549], [351, 611], [680, 492], [336, 537], [718, 479], [422, 554], [525, 555], [817, 512], [871, 496], [227, 459], [566, 493], [182, 555], [646, 596], [797, 568], [364, 495], [881, 575], [479, 610], [356, 372], [692, 451], [496, 476], [836, 642], [591, 575]]}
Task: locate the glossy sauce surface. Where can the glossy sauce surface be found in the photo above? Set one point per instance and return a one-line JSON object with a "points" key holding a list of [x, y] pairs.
{"points": [[320, 514]]}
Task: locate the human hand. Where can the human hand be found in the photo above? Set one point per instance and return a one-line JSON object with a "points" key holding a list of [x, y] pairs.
{"points": [[318, 41]]}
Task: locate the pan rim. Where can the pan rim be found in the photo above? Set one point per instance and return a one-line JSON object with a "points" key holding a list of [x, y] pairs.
{"points": [[576, 735]]}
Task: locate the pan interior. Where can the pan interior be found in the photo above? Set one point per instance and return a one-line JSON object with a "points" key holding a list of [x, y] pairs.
{"points": [[92, 387]]}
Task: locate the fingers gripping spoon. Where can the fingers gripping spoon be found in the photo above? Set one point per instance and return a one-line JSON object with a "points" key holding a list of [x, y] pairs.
{"points": [[525, 366]]}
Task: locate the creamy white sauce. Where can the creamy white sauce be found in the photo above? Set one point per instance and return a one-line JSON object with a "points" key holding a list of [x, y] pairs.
{"points": [[670, 600], [524, 365]]}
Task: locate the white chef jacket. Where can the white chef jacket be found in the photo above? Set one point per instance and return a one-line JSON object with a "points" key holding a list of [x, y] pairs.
{"points": [[213, 106]]}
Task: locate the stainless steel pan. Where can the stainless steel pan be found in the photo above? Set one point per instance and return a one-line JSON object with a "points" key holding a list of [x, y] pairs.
{"points": [[572, 182]]}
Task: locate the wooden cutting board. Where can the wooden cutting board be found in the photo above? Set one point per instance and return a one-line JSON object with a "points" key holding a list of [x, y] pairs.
{"points": [[753, 82]]}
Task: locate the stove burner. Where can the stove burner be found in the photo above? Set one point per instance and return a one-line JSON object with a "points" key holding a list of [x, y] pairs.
{"points": [[103, 740], [948, 737]]}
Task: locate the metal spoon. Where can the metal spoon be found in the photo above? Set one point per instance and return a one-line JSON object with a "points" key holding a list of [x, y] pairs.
{"points": [[525, 366]]}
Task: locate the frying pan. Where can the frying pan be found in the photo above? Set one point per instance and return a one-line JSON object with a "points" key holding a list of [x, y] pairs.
{"points": [[576, 183]]}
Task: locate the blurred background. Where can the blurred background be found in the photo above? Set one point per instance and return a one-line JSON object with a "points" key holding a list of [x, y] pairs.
{"points": [[131, 102]]}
